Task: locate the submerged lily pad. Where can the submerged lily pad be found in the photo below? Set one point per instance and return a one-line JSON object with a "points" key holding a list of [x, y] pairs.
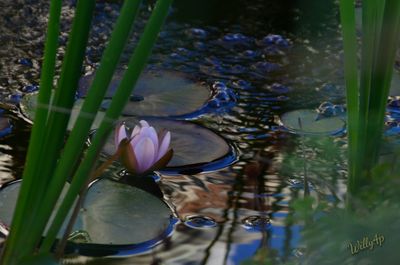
{"points": [[116, 219], [307, 121], [194, 146], [157, 94]]}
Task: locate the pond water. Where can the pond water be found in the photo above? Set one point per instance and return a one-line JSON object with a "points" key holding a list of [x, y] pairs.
{"points": [[272, 58]]}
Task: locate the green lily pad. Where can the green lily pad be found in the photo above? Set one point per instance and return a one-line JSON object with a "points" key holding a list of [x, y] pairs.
{"points": [[8, 200], [28, 105], [192, 143], [307, 121], [120, 214], [75, 112], [112, 214], [158, 94]]}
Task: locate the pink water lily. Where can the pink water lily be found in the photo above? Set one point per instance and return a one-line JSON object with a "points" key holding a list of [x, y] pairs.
{"points": [[145, 149]]}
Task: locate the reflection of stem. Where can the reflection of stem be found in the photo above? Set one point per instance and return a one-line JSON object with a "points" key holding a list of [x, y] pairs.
{"points": [[289, 223], [239, 188], [306, 188], [81, 198], [215, 240], [259, 204]]}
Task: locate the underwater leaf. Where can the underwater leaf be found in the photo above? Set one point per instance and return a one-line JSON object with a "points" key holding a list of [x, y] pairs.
{"points": [[119, 214], [158, 94], [192, 144], [307, 121]]}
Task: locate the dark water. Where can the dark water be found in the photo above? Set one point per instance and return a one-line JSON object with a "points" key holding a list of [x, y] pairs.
{"points": [[231, 213]]}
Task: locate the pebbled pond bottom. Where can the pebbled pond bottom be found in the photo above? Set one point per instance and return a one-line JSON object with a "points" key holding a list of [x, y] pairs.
{"points": [[227, 215]]}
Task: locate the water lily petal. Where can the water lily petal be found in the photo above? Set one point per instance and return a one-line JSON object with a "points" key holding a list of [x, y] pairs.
{"points": [[128, 158], [120, 134], [147, 132], [164, 145], [144, 153], [135, 131], [135, 140], [144, 123], [163, 161], [154, 138]]}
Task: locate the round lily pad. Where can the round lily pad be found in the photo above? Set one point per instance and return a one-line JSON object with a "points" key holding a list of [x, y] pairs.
{"points": [[119, 214], [75, 112], [157, 94], [195, 147], [28, 105], [8, 200], [307, 121], [116, 219]]}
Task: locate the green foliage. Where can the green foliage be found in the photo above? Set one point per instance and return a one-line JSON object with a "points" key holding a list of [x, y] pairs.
{"points": [[43, 182], [368, 91], [330, 236], [42, 259], [320, 159]]}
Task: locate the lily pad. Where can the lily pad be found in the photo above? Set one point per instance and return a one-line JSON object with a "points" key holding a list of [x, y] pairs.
{"points": [[195, 147], [8, 200], [157, 94], [28, 105], [75, 112], [307, 121], [120, 214], [116, 219]]}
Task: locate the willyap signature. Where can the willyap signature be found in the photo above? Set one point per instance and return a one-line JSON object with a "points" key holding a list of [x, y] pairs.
{"points": [[366, 243]]}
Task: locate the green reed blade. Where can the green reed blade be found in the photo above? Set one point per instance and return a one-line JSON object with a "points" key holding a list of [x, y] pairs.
{"points": [[38, 130], [380, 36], [372, 15], [63, 99], [76, 140], [381, 80], [65, 93], [54, 130], [135, 67], [348, 20]]}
